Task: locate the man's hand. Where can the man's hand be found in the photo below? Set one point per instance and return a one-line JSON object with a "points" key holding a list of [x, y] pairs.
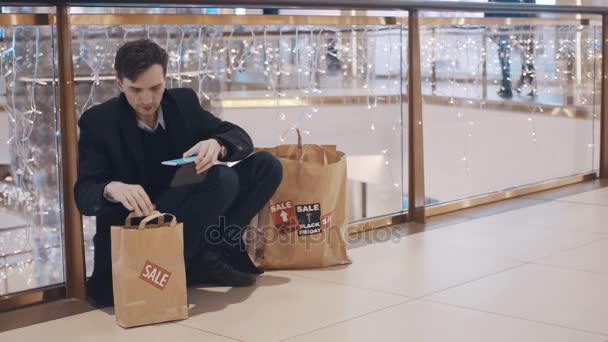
{"points": [[132, 196], [207, 152]]}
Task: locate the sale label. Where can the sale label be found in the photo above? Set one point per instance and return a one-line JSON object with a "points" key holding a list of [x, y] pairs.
{"points": [[309, 216], [284, 216], [326, 221], [155, 275]]}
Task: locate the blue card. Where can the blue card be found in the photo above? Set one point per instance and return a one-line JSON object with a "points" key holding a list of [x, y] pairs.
{"points": [[180, 161]]}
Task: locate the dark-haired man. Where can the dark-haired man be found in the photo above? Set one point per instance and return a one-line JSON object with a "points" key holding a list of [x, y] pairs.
{"points": [[121, 146]]}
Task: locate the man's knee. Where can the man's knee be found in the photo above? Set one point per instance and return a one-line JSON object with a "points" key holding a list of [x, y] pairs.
{"points": [[226, 180], [269, 167]]}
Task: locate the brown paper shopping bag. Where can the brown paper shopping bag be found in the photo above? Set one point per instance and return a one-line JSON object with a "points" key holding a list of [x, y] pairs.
{"points": [[304, 223], [148, 272]]}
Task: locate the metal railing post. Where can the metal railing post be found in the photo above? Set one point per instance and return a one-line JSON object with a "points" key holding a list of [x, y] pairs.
{"points": [[68, 138], [416, 200], [604, 101]]}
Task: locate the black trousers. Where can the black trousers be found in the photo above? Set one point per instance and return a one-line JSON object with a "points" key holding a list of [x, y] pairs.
{"points": [[214, 213], [216, 210]]}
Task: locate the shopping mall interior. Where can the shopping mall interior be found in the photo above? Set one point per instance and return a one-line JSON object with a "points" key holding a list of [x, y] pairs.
{"points": [[471, 138]]}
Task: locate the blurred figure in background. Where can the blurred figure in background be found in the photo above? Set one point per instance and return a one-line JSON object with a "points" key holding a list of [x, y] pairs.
{"points": [[525, 43]]}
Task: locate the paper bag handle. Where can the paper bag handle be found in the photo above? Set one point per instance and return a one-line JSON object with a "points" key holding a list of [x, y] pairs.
{"points": [[299, 138], [325, 161], [159, 216], [132, 215], [300, 149]]}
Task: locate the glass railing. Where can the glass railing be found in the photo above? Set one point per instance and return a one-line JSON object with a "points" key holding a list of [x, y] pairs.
{"points": [[340, 77], [31, 250], [508, 105]]}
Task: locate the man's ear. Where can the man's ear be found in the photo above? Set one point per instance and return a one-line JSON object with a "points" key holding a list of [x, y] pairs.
{"points": [[119, 83]]}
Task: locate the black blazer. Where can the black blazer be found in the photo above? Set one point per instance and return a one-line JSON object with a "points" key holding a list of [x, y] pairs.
{"points": [[110, 149]]}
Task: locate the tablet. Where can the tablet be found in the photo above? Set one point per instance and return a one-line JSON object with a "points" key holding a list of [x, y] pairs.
{"points": [[186, 175], [180, 161]]}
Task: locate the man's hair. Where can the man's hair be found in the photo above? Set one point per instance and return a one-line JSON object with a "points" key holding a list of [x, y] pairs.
{"points": [[137, 56]]}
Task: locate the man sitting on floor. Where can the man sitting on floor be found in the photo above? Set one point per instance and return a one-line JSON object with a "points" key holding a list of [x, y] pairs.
{"points": [[121, 146]]}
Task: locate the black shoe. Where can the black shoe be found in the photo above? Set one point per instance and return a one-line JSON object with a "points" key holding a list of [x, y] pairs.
{"points": [[99, 294], [240, 260], [505, 94], [210, 268]]}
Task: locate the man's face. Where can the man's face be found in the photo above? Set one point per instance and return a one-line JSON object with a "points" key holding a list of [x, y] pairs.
{"points": [[145, 93]]}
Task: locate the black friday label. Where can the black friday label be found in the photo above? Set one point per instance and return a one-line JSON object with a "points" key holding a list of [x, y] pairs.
{"points": [[309, 217]]}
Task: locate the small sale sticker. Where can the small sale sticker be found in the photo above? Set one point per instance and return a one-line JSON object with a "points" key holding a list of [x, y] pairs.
{"points": [[284, 216], [326, 221], [155, 275]]}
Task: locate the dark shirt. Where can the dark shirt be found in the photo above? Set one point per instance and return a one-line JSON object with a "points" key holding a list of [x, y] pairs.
{"points": [[157, 148]]}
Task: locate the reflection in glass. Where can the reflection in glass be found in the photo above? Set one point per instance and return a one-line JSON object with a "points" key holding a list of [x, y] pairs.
{"points": [[508, 106], [30, 207]]}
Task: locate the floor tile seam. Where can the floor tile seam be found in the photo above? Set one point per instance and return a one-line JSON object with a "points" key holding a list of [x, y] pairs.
{"points": [[569, 268], [349, 319], [181, 324], [535, 259], [348, 285], [510, 316], [547, 226], [579, 202], [475, 279], [594, 239]]}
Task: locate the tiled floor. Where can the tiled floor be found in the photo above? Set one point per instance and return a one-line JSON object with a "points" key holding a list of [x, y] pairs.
{"points": [[532, 273]]}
